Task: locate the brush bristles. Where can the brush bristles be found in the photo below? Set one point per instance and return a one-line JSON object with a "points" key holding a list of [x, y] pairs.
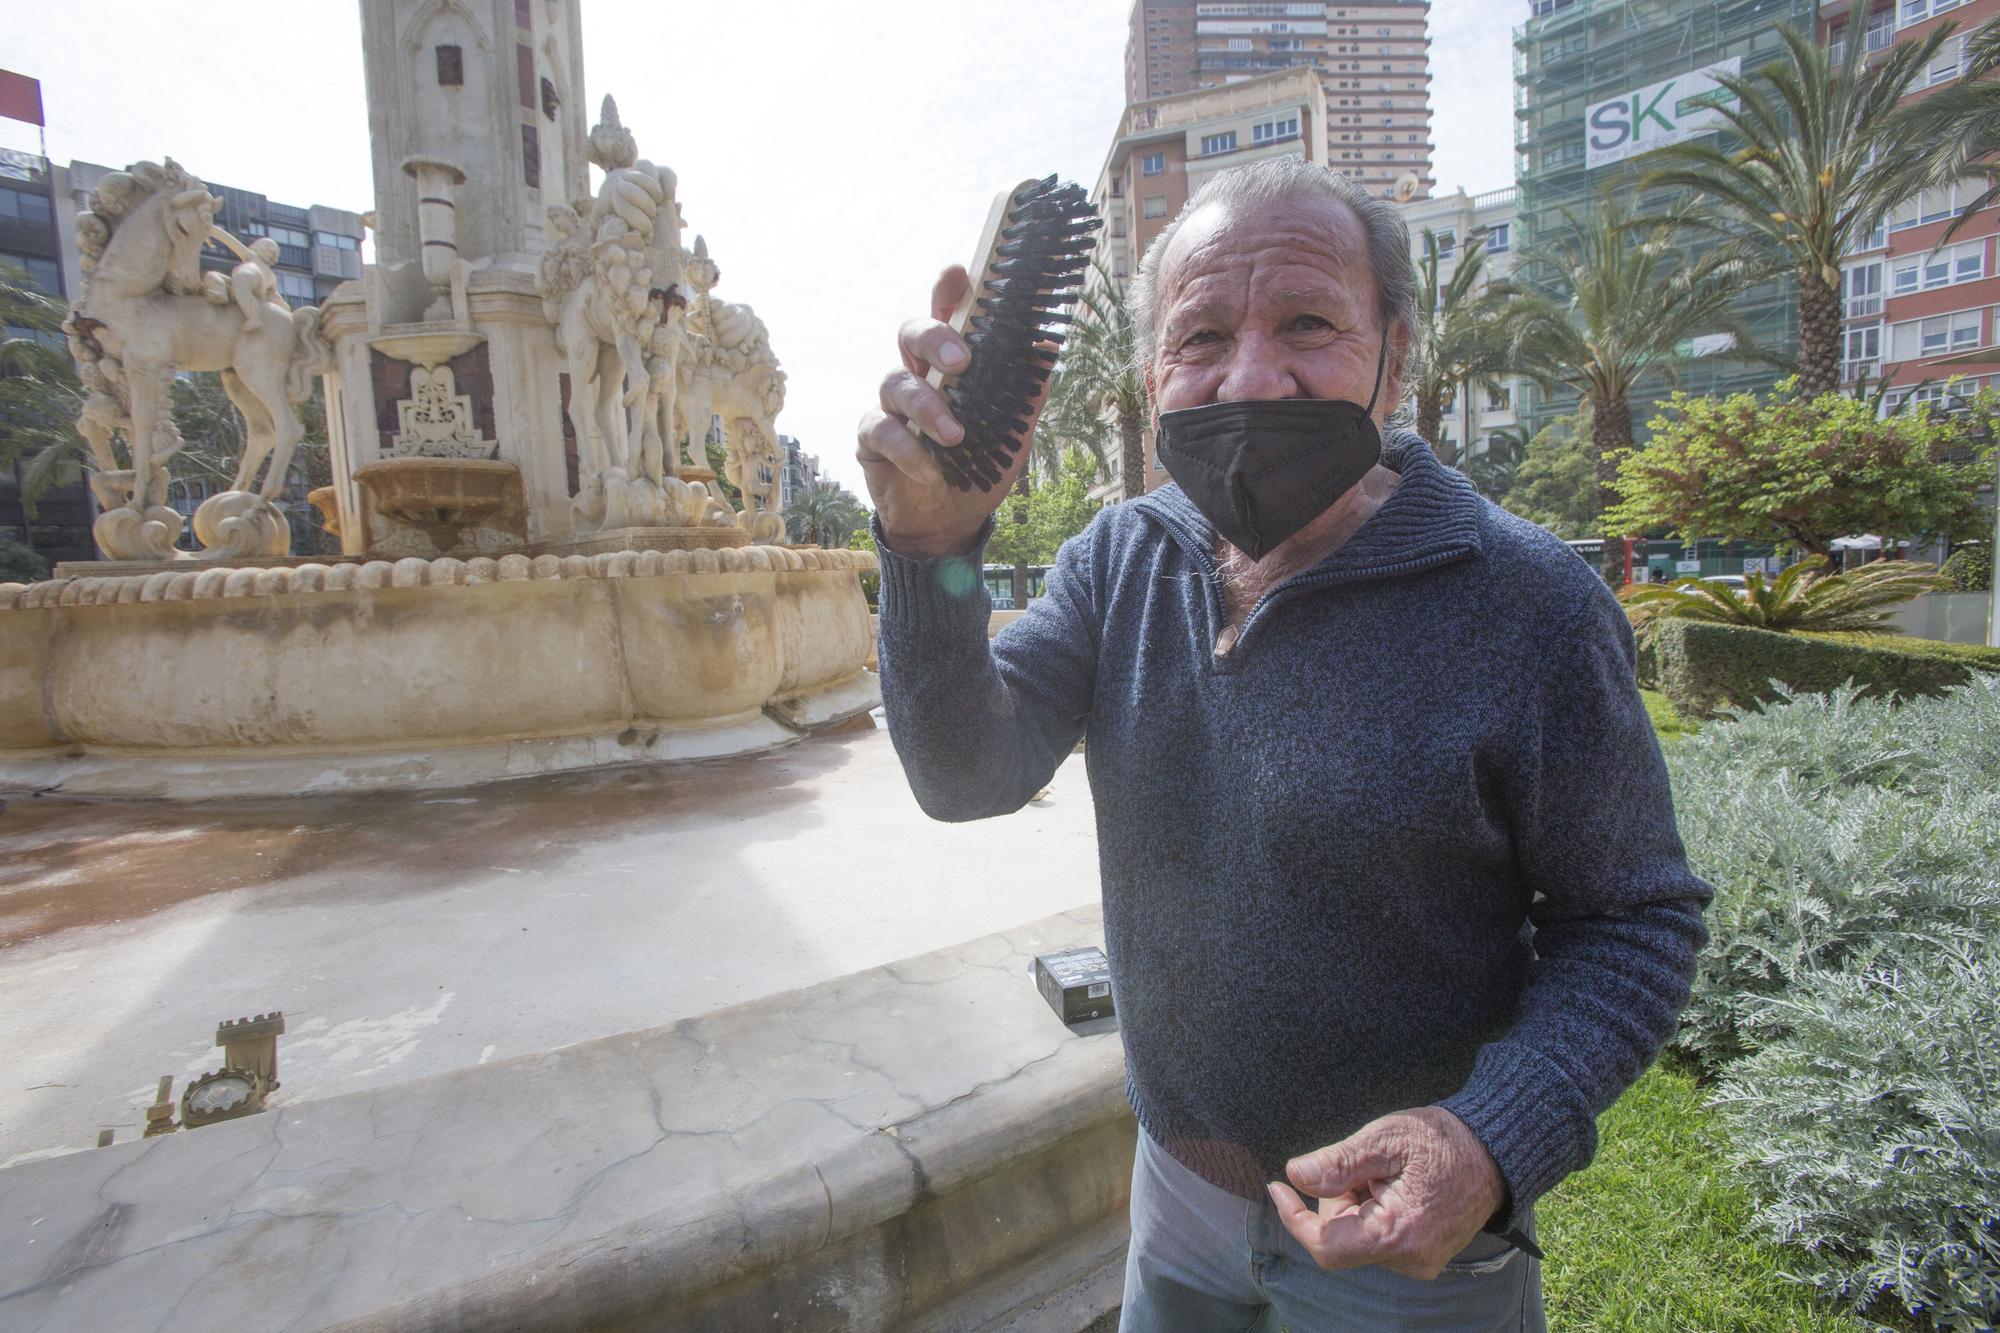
{"points": [[1036, 269]]}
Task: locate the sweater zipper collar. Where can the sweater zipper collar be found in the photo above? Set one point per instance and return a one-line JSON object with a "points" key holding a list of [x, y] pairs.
{"points": [[1458, 506], [1304, 581]]}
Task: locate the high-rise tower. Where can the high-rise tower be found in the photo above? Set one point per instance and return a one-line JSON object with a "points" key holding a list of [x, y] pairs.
{"points": [[1371, 56]]}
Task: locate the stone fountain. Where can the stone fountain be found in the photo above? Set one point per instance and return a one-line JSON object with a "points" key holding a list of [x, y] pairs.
{"points": [[539, 569]]}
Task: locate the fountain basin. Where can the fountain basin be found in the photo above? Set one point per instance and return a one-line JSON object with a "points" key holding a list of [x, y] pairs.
{"points": [[443, 497], [423, 672]]}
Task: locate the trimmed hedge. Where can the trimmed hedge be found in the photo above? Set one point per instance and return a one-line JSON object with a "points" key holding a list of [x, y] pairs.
{"points": [[1967, 654], [1703, 667]]}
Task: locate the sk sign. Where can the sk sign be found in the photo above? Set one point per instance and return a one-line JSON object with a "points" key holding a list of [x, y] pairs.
{"points": [[1656, 115]]}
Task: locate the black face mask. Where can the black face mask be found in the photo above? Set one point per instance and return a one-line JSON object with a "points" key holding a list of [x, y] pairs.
{"points": [[1260, 470]]}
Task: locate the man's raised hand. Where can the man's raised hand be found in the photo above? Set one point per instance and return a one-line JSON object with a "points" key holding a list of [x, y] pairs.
{"points": [[921, 513]]}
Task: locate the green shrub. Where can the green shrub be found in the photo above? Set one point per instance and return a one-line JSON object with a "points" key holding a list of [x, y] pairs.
{"points": [[1848, 993], [1838, 832], [1705, 667], [18, 564], [1872, 1131], [1970, 569]]}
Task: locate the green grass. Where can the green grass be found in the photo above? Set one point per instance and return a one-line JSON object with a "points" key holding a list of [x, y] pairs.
{"points": [[1654, 1234], [1666, 721]]}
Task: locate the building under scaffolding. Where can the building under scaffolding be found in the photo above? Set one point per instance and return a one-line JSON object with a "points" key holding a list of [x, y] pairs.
{"points": [[1585, 75]]}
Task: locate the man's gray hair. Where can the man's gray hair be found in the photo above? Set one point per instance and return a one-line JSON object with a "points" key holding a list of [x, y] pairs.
{"points": [[1286, 180]]}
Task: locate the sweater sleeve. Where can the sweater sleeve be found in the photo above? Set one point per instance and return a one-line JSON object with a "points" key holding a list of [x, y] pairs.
{"points": [[981, 725], [1616, 914]]}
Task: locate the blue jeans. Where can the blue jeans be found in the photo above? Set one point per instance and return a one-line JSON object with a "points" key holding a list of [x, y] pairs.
{"points": [[1203, 1259]]}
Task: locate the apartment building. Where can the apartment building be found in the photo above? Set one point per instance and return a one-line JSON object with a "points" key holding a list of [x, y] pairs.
{"points": [[1371, 56], [1166, 148], [1599, 83], [1919, 310], [1462, 222], [318, 248], [801, 470], [32, 241]]}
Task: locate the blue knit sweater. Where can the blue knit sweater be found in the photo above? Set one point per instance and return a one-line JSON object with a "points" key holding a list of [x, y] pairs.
{"points": [[1410, 842]]}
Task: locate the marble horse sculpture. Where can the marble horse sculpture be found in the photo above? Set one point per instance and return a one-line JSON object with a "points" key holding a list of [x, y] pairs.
{"points": [[146, 312]]}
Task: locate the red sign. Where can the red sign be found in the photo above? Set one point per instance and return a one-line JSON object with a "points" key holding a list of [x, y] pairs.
{"points": [[21, 98]]}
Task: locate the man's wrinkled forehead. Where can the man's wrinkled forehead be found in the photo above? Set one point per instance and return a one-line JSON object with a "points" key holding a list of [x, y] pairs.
{"points": [[1322, 234]]}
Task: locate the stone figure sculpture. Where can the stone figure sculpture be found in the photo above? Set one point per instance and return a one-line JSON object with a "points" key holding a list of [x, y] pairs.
{"points": [[611, 285], [145, 312], [729, 372]]}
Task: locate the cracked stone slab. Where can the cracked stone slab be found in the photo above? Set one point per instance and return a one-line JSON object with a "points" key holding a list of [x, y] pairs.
{"points": [[602, 1179]]}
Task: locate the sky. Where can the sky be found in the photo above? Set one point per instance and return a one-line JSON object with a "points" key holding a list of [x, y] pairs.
{"points": [[835, 157]]}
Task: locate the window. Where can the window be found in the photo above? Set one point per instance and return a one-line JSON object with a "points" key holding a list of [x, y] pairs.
{"points": [[1153, 164], [43, 273], [1949, 61], [531, 157], [1499, 236], [289, 236], [1499, 398], [336, 240], [1938, 335], [1218, 143], [295, 286], [1863, 352], [1926, 272], [20, 206], [450, 67], [1271, 131], [1154, 207], [1916, 11], [1447, 243], [1861, 287]]}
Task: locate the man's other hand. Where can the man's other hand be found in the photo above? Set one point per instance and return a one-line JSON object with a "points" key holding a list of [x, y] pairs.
{"points": [[921, 513], [1407, 1191]]}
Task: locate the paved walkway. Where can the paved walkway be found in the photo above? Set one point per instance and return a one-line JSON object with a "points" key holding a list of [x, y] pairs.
{"points": [[405, 935]]}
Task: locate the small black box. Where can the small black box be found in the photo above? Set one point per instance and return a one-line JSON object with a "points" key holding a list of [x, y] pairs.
{"points": [[1075, 982]]}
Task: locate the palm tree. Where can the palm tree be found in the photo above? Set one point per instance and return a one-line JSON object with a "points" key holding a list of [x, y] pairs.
{"points": [[1855, 602], [1959, 126], [1825, 155], [1097, 378], [1491, 471], [1460, 343], [825, 513], [1620, 301], [39, 395]]}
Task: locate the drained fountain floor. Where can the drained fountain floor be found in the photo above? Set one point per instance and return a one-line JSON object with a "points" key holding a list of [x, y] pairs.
{"points": [[408, 934]]}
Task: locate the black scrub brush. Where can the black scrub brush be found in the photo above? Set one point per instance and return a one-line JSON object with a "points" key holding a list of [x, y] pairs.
{"points": [[1030, 266]]}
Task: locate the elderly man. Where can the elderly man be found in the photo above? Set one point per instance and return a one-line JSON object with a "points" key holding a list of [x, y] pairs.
{"points": [[1393, 897]]}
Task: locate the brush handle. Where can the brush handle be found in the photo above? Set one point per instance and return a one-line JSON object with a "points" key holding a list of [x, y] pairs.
{"points": [[979, 270]]}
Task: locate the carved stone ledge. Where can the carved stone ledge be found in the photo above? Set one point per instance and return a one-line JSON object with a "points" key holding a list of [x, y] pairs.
{"points": [[213, 582]]}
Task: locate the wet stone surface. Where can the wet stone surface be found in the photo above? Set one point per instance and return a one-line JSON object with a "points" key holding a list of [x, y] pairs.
{"points": [[408, 934]]}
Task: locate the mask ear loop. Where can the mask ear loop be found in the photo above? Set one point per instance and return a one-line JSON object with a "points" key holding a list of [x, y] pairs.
{"points": [[1381, 364]]}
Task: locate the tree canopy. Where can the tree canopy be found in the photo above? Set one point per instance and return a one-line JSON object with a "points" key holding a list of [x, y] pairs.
{"points": [[1803, 470]]}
